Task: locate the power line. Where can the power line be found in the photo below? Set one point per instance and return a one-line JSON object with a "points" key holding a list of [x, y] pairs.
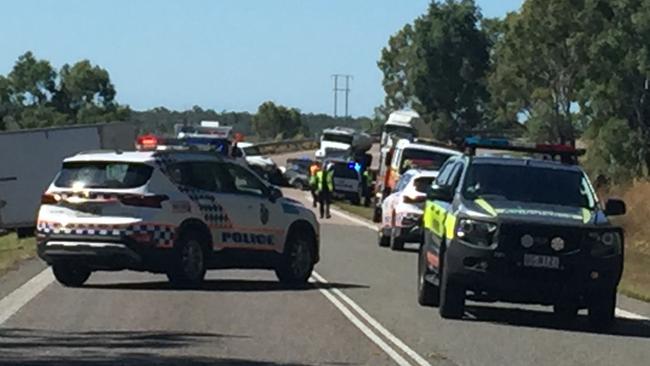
{"points": [[337, 90]]}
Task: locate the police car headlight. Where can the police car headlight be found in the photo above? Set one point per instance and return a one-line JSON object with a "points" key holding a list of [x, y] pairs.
{"points": [[475, 232], [605, 243]]}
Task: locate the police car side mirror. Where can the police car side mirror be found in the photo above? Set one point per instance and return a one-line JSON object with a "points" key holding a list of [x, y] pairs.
{"points": [[615, 207], [275, 194], [440, 193]]}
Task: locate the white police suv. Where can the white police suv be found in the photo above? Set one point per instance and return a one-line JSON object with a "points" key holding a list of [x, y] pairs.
{"points": [[174, 212]]}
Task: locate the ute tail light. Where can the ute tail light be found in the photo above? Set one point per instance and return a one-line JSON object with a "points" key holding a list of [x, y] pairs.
{"points": [[414, 199], [152, 201], [49, 199]]}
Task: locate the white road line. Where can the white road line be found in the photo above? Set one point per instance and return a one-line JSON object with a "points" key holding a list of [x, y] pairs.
{"points": [[620, 313], [363, 328], [375, 324], [13, 302]]}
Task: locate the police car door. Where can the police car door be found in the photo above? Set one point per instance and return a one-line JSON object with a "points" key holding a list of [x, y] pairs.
{"points": [[259, 223]]}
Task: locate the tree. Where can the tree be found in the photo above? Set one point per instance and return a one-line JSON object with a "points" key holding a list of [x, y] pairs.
{"points": [[438, 66], [32, 80], [84, 86], [538, 68], [273, 121], [394, 64], [615, 95], [7, 106]]}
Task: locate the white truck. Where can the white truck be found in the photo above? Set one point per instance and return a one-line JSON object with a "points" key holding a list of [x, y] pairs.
{"points": [[29, 160], [263, 165], [343, 139]]}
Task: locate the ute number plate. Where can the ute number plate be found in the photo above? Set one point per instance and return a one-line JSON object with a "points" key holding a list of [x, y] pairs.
{"points": [[541, 261]]}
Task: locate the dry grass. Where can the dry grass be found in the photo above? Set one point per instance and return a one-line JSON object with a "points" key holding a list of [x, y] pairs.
{"points": [[636, 277], [14, 250], [361, 211]]}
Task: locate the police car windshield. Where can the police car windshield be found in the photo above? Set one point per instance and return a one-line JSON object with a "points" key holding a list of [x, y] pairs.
{"points": [[528, 184], [422, 159], [344, 171], [335, 137], [112, 175]]}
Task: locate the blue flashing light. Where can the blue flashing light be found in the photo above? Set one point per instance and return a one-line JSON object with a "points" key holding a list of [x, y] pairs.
{"points": [[354, 165], [475, 140]]}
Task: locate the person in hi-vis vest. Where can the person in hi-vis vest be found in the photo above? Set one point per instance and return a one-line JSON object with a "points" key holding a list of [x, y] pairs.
{"points": [[325, 186]]}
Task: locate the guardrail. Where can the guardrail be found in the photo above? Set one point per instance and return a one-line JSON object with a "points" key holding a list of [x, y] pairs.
{"points": [[279, 147]]}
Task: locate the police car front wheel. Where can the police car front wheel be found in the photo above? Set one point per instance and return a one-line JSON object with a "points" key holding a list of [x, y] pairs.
{"points": [[188, 268], [70, 275], [298, 261]]}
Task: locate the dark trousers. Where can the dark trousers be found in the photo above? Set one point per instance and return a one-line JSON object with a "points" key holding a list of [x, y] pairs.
{"points": [[325, 198], [314, 196]]}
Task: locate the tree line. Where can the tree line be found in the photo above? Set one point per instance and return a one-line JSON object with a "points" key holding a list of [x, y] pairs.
{"points": [[35, 94], [559, 70]]}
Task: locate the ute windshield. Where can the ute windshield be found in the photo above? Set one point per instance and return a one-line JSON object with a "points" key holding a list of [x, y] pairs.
{"points": [[252, 151], [529, 184]]}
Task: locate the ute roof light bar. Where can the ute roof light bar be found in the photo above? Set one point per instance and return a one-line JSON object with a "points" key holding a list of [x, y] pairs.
{"points": [[564, 153]]}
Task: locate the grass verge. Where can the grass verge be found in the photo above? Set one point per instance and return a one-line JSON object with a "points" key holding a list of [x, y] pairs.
{"points": [[14, 250]]}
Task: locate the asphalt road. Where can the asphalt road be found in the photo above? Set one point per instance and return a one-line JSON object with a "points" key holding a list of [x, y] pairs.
{"points": [[361, 310]]}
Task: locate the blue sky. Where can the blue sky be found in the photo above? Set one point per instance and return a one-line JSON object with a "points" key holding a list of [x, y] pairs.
{"points": [[224, 54]]}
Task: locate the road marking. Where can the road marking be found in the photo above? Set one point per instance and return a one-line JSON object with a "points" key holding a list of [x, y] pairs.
{"points": [[620, 313], [13, 302], [374, 323], [363, 328]]}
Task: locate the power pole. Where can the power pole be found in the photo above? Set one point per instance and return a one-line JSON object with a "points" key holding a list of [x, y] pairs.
{"points": [[337, 90]]}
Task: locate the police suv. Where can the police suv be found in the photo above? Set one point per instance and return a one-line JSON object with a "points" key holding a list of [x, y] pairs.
{"points": [[520, 229], [170, 211]]}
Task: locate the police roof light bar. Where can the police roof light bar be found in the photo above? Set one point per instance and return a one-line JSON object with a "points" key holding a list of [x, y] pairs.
{"points": [[567, 154]]}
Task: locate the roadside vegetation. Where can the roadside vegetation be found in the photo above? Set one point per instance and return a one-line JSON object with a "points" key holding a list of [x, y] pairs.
{"points": [[14, 250]]}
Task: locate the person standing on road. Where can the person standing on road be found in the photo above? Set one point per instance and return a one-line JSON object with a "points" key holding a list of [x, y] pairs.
{"points": [[325, 186], [314, 168]]}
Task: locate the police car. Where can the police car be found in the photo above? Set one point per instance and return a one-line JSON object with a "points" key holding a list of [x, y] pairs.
{"points": [[525, 229], [347, 179], [170, 211], [402, 209]]}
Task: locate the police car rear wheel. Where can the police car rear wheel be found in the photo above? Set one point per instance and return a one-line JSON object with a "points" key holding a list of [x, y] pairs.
{"points": [[70, 275], [602, 308], [428, 293], [298, 262], [189, 269]]}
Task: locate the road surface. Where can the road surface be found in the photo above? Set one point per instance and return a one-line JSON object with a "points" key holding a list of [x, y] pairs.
{"points": [[360, 310]]}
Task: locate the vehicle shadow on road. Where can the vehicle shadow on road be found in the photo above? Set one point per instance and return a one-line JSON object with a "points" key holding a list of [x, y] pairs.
{"points": [[547, 320], [229, 285], [39, 347]]}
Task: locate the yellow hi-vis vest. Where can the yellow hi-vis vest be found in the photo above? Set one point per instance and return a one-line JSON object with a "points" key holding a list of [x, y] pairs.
{"points": [[329, 180]]}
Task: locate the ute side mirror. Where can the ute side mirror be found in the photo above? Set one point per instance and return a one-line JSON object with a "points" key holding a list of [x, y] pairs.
{"points": [[275, 194], [440, 193], [615, 207]]}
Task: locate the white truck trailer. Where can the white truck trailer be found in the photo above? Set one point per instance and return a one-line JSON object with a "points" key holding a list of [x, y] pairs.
{"points": [[29, 159]]}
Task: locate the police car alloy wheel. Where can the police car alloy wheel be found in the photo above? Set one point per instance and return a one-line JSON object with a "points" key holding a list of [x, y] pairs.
{"points": [[70, 275], [298, 262], [189, 268]]}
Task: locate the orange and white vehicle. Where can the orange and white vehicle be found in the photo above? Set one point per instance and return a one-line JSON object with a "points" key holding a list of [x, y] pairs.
{"points": [[405, 155], [402, 210]]}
